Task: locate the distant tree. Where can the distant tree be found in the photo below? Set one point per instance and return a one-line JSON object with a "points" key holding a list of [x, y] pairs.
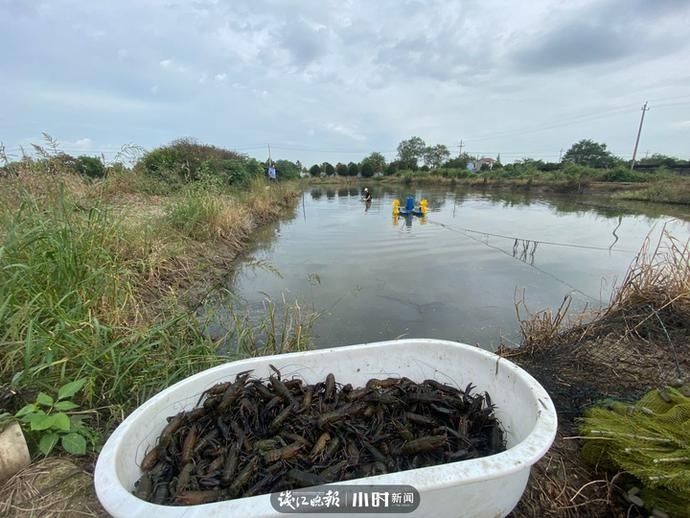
{"points": [[340, 169], [531, 162], [299, 164], [498, 164], [392, 168], [589, 153], [435, 156], [410, 151], [657, 159], [90, 166], [377, 161], [459, 162], [328, 169], [367, 169], [315, 170], [287, 170], [352, 169]]}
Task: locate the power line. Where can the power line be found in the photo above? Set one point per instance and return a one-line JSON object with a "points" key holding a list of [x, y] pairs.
{"points": [[582, 118], [561, 123], [672, 104]]}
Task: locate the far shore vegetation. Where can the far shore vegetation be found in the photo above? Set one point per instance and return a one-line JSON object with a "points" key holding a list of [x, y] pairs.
{"points": [[586, 167]]}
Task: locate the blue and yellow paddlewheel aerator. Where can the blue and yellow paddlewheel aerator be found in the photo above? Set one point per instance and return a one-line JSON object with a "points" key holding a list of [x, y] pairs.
{"points": [[410, 207]]}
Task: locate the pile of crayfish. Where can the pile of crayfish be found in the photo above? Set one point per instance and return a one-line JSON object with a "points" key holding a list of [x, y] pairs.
{"points": [[249, 437]]}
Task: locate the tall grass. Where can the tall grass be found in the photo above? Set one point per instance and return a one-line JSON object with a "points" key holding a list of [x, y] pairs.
{"points": [[204, 216], [676, 191], [207, 212], [652, 303], [83, 287], [279, 328], [69, 309]]}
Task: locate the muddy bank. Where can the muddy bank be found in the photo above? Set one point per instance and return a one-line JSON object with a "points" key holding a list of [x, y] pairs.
{"points": [[639, 343]]}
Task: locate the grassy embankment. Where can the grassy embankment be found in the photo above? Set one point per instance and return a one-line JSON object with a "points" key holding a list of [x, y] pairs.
{"points": [[95, 276], [639, 343], [672, 191], [658, 186]]}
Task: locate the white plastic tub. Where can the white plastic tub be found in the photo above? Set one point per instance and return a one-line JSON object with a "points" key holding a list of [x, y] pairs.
{"points": [[486, 487]]}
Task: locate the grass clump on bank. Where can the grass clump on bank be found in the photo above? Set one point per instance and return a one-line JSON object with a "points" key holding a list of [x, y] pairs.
{"points": [[92, 275], [675, 191], [205, 215]]}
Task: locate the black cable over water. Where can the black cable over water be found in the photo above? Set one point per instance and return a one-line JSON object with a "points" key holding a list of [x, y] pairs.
{"points": [[540, 270], [514, 238]]}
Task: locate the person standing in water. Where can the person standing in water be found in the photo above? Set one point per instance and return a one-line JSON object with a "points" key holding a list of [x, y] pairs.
{"points": [[366, 195]]}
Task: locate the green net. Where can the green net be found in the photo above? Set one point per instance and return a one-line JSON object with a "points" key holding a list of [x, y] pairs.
{"points": [[650, 440]]}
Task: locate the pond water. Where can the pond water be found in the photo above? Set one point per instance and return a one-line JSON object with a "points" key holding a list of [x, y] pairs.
{"points": [[456, 273]]}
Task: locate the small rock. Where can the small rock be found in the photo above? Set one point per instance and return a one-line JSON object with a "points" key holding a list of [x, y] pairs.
{"points": [[633, 499], [14, 454]]}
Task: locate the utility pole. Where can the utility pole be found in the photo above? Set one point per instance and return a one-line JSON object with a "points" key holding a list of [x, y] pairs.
{"points": [[460, 146], [269, 152], [560, 155], [637, 140]]}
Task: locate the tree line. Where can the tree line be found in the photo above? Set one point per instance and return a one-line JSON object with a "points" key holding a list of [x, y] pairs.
{"points": [[186, 160], [414, 154]]}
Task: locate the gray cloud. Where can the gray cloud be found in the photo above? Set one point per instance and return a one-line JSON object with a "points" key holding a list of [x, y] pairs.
{"points": [[578, 43], [304, 43], [604, 32], [343, 75]]}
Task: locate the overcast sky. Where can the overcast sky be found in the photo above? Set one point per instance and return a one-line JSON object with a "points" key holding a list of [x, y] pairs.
{"points": [[336, 79]]}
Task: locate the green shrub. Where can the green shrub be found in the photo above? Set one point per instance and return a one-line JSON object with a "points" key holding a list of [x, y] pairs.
{"points": [[623, 174], [184, 161], [352, 169], [286, 170], [50, 420], [367, 169], [90, 166]]}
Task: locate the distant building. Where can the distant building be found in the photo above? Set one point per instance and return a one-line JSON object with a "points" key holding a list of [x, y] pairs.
{"points": [[477, 164], [489, 162]]}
